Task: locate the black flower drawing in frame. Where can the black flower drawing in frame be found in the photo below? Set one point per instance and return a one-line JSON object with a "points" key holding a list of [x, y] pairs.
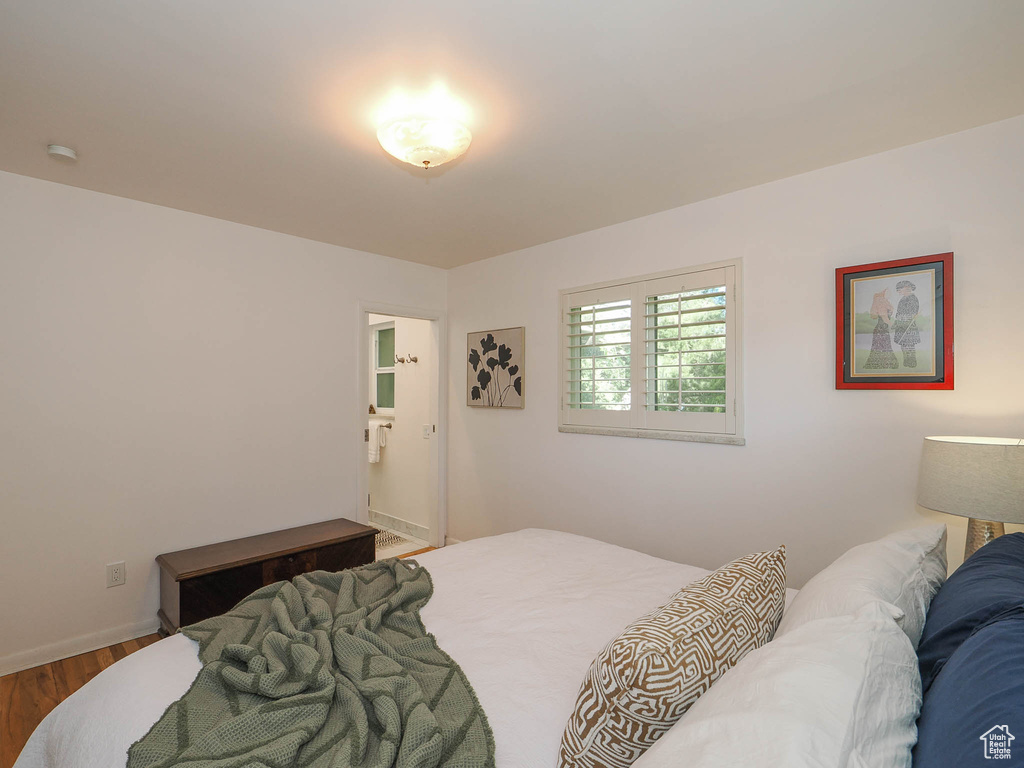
{"points": [[495, 366]]}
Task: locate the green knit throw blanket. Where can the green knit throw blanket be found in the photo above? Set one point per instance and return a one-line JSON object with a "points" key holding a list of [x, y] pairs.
{"points": [[328, 670]]}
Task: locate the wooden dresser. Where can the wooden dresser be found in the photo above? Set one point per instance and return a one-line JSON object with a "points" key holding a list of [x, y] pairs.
{"points": [[198, 583]]}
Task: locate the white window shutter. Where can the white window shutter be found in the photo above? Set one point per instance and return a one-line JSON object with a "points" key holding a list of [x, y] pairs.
{"points": [[597, 357], [656, 356], [688, 381]]}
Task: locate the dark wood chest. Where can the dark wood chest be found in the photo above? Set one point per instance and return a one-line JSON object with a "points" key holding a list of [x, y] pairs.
{"points": [[201, 582]]}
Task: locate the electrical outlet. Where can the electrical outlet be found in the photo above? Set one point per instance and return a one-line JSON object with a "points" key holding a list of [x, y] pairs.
{"points": [[427, 429], [115, 574]]}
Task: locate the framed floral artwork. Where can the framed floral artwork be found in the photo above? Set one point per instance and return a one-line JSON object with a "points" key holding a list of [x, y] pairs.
{"points": [[894, 324], [496, 368]]}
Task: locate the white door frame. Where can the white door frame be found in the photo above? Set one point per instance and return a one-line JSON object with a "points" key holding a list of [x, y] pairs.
{"points": [[438, 396]]}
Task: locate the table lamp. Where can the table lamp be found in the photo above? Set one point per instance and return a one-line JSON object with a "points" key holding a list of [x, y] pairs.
{"points": [[981, 478]]}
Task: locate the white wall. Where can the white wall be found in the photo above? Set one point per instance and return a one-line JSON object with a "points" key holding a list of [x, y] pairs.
{"points": [[166, 380], [401, 483], [822, 469]]}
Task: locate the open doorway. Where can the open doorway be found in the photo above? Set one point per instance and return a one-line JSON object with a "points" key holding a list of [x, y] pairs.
{"points": [[402, 411]]}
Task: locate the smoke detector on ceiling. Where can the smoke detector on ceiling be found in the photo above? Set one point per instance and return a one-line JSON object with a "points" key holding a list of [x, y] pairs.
{"points": [[64, 154]]}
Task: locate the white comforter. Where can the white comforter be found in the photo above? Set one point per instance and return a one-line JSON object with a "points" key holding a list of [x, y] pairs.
{"points": [[525, 636]]}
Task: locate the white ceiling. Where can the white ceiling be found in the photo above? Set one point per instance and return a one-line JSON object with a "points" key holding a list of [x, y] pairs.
{"points": [[586, 112]]}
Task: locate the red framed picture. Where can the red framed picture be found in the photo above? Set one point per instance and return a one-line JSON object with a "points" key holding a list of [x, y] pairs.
{"points": [[894, 324]]}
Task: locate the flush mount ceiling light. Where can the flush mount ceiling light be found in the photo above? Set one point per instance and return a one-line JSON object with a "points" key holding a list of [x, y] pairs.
{"points": [[424, 131]]}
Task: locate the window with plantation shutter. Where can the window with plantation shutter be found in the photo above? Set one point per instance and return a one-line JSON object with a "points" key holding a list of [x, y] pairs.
{"points": [[599, 346], [654, 356]]}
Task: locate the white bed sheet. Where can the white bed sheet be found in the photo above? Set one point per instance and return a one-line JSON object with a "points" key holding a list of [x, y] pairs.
{"points": [[525, 635]]}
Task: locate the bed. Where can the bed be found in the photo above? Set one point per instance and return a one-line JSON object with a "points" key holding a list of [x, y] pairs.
{"points": [[548, 581], [525, 639]]}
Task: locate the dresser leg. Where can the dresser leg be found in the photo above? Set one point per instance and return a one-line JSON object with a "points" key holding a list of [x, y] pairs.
{"points": [[166, 627]]}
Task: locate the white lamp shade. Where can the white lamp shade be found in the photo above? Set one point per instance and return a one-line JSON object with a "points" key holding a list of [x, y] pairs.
{"points": [[425, 129], [424, 142], [979, 477]]}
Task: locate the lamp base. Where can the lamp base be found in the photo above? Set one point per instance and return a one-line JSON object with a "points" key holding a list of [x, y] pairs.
{"points": [[980, 533]]}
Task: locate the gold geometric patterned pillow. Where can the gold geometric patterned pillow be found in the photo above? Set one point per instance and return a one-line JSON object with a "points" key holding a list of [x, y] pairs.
{"points": [[648, 676]]}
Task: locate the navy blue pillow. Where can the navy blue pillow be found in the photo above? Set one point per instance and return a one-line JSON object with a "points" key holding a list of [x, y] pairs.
{"points": [[990, 583], [976, 703]]}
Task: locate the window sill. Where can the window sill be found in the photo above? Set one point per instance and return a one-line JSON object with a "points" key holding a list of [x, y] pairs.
{"points": [[654, 434]]}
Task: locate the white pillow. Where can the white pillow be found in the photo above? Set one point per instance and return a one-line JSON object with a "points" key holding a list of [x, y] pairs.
{"points": [[904, 569], [843, 692]]}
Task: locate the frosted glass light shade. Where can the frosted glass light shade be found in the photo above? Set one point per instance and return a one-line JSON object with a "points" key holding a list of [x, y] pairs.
{"points": [[424, 142], [978, 477]]}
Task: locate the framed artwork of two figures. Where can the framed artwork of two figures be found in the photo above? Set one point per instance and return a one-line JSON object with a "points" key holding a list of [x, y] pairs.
{"points": [[894, 324]]}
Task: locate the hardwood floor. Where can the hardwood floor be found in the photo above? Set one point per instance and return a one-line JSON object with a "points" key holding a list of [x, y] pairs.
{"points": [[418, 552], [28, 696]]}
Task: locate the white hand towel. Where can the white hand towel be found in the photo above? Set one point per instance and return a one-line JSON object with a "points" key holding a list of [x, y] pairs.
{"points": [[378, 439]]}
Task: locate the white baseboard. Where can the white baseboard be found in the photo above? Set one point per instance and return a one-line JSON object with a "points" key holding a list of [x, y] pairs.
{"points": [[398, 525], [449, 540], [73, 646]]}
